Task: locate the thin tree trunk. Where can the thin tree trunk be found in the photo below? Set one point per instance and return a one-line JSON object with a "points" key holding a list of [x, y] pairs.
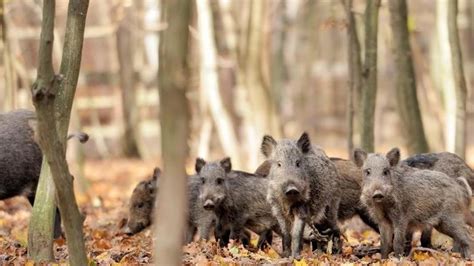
{"points": [[210, 83], [407, 100], [53, 96], [459, 79], [355, 77], [9, 102], [174, 120], [279, 71], [443, 73], [41, 226], [128, 83], [369, 91], [252, 60]]}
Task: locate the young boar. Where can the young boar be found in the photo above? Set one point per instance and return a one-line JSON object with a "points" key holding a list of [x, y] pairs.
{"points": [[404, 199], [142, 205], [446, 162], [302, 186], [349, 183], [238, 200]]}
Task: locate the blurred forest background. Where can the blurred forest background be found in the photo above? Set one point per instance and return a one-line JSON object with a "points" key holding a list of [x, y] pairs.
{"points": [[282, 67]]}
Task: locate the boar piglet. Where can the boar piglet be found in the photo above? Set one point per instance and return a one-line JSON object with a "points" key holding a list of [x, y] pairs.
{"points": [[238, 200], [302, 186], [404, 199], [450, 164], [142, 204], [446, 162]]}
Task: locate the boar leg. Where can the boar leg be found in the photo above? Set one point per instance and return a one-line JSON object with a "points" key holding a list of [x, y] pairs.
{"points": [[426, 237], [386, 238], [454, 227], [284, 228], [399, 237], [297, 236], [265, 239]]}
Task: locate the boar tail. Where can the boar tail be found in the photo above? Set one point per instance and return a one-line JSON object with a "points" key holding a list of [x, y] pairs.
{"points": [[81, 136], [463, 182]]}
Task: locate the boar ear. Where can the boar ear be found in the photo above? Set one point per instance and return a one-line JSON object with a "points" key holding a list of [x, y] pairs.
{"points": [[393, 156], [264, 169], [156, 173], [304, 143], [151, 187], [199, 164], [268, 145], [359, 157], [226, 164]]}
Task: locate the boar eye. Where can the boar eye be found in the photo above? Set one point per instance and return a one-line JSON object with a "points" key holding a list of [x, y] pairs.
{"points": [[279, 164], [385, 172], [203, 181], [220, 181], [140, 205], [298, 163], [367, 172]]}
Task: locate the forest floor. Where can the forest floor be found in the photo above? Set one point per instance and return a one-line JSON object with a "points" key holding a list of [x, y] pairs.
{"points": [[105, 206]]}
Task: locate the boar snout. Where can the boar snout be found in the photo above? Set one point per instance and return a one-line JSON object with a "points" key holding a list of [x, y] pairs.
{"points": [[377, 196], [292, 191], [209, 205]]}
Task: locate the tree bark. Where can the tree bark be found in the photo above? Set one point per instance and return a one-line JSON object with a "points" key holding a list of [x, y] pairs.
{"points": [[443, 73], [174, 120], [369, 91], [53, 96], [355, 77], [128, 83], [41, 226], [9, 100], [407, 100], [210, 83], [459, 79], [253, 66]]}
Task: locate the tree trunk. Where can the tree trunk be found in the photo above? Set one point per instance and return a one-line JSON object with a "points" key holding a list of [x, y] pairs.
{"points": [[443, 73], [174, 120], [459, 79], [41, 226], [53, 96], [407, 100], [210, 82], [9, 100], [279, 71], [253, 64], [355, 77], [128, 83], [369, 91]]}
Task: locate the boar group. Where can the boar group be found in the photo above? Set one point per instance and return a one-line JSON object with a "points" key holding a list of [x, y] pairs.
{"points": [[299, 193]]}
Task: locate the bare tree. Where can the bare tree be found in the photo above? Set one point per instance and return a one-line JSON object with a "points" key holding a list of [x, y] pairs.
{"points": [[369, 91], [128, 81], [53, 96], [459, 79], [442, 73], [210, 82], [254, 70], [407, 100], [174, 120], [9, 94], [355, 75]]}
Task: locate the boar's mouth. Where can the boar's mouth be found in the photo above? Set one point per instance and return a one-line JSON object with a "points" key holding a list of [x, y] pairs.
{"points": [[135, 229]]}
